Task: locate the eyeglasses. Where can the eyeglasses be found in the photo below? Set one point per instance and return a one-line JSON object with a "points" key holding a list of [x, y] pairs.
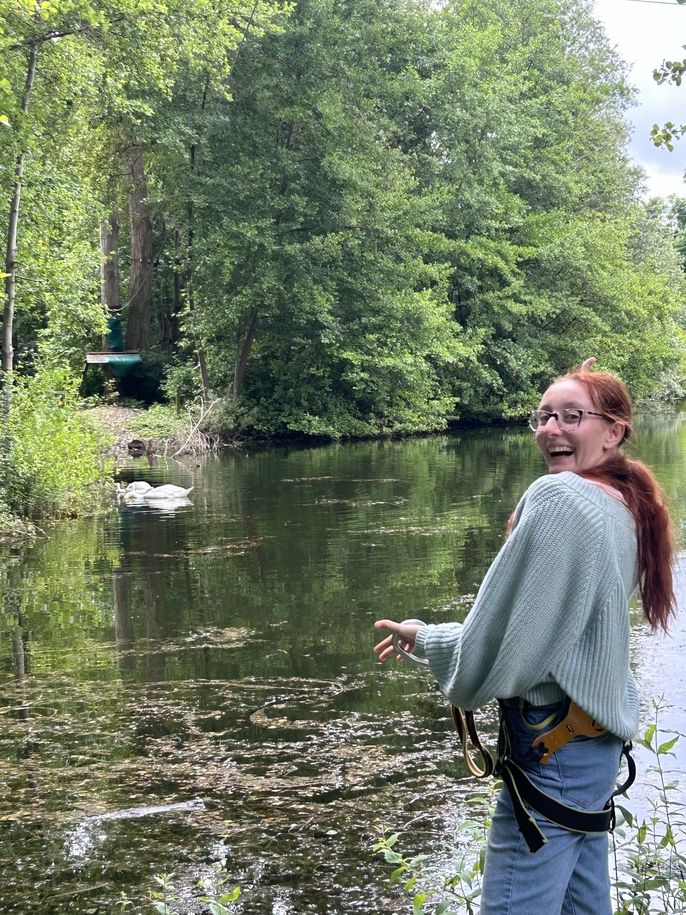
{"points": [[567, 419]]}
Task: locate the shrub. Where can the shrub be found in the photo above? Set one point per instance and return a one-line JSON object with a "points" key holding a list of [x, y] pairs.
{"points": [[52, 464]]}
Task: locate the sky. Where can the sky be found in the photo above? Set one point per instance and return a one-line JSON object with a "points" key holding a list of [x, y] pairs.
{"points": [[646, 32]]}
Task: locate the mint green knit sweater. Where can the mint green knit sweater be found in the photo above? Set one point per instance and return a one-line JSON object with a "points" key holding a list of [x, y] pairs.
{"points": [[551, 615]]}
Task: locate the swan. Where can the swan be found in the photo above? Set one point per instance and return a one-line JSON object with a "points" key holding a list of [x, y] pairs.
{"points": [[139, 487], [134, 490], [167, 491]]}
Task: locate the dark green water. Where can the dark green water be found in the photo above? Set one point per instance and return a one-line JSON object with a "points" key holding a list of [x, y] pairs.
{"points": [[223, 652]]}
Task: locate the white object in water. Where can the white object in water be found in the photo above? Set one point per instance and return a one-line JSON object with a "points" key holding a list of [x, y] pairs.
{"points": [[167, 491], [133, 491], [138, 487]]}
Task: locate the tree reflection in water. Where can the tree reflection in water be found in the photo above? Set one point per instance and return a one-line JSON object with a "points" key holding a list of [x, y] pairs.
{"points": [[222, 652]]}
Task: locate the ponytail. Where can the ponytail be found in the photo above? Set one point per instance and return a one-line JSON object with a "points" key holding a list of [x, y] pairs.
{"points": [[645, 500]]}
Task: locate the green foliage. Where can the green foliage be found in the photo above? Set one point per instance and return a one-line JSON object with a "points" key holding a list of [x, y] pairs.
{"points": [[649, 861], [52, 464], [670, 72], [667, 134], [160, 421], [214, 895], [432, 891], [189, 430], [218, 899], [162, 899], [377, 218], [14, 529], [419, 238]]}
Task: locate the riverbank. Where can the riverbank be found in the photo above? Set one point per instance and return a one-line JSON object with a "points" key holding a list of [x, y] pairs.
{"points": [[116, 422], [14, 530], [157, 430]]}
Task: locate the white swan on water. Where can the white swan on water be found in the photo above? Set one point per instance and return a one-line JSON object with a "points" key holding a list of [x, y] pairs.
{"points": [[139, 490], [167, 491], [139, 487]]}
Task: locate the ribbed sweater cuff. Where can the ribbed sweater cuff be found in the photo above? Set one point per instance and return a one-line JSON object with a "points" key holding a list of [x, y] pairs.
{"points": [[419, 641], [439, 644]]}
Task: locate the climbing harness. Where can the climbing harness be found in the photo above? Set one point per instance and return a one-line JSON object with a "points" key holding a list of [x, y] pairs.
{"points": [[466, 726], [574, 722], [525, 794]]}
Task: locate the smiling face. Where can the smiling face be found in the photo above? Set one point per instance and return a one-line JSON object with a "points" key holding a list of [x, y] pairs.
{"points": [[583, 448]]}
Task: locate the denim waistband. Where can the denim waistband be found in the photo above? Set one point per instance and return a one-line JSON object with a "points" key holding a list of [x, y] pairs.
{"points": [[516, 702]]}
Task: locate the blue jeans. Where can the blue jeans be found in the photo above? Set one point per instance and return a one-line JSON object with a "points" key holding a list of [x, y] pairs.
{"points": [[569, 875]]}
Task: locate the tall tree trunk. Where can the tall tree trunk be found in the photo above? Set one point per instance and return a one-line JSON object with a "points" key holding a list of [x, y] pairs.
{"points": [[242, 356], [177, 304], [109, 267], [138, 326], [12, 230], [202, 361]]}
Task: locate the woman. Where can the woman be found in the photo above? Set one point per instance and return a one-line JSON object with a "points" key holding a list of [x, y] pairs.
{"points": [[550, 627]]}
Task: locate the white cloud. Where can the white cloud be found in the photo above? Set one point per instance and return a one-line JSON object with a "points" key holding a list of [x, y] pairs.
{"points": [[645, 34], [662, 183]]}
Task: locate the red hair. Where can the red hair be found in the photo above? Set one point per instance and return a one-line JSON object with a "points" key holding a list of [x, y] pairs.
{"points": [[643, 496]]}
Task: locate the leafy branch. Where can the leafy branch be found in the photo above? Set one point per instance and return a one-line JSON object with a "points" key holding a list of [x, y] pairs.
{"points": [[671, 72]]}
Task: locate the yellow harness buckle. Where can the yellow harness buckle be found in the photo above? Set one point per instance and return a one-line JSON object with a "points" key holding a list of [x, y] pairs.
{"points": [[576, 723]]}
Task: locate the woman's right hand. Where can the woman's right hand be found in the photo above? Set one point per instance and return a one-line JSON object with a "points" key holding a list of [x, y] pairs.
{"points": [[407, 632]]}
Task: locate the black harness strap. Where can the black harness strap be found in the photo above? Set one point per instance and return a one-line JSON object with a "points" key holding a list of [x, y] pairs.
{"points": [[524, 793], [522, 790], [534, 836]]}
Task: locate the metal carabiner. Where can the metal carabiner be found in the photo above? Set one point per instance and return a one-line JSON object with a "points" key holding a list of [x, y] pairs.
{"points": [[403, 651]]}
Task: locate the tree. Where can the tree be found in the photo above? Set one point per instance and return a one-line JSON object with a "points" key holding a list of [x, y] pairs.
{"points": [[12, 229], [311, 223], [104, 70], [377, 217]]}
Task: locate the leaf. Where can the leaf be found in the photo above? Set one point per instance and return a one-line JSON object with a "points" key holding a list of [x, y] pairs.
{"points": [[667, 745], [627, 815], [418, 903], [398, 873], [654, 883], [216, 908]]}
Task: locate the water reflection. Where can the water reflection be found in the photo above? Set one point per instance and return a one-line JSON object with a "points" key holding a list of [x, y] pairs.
{"points": [[222, 651]]}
